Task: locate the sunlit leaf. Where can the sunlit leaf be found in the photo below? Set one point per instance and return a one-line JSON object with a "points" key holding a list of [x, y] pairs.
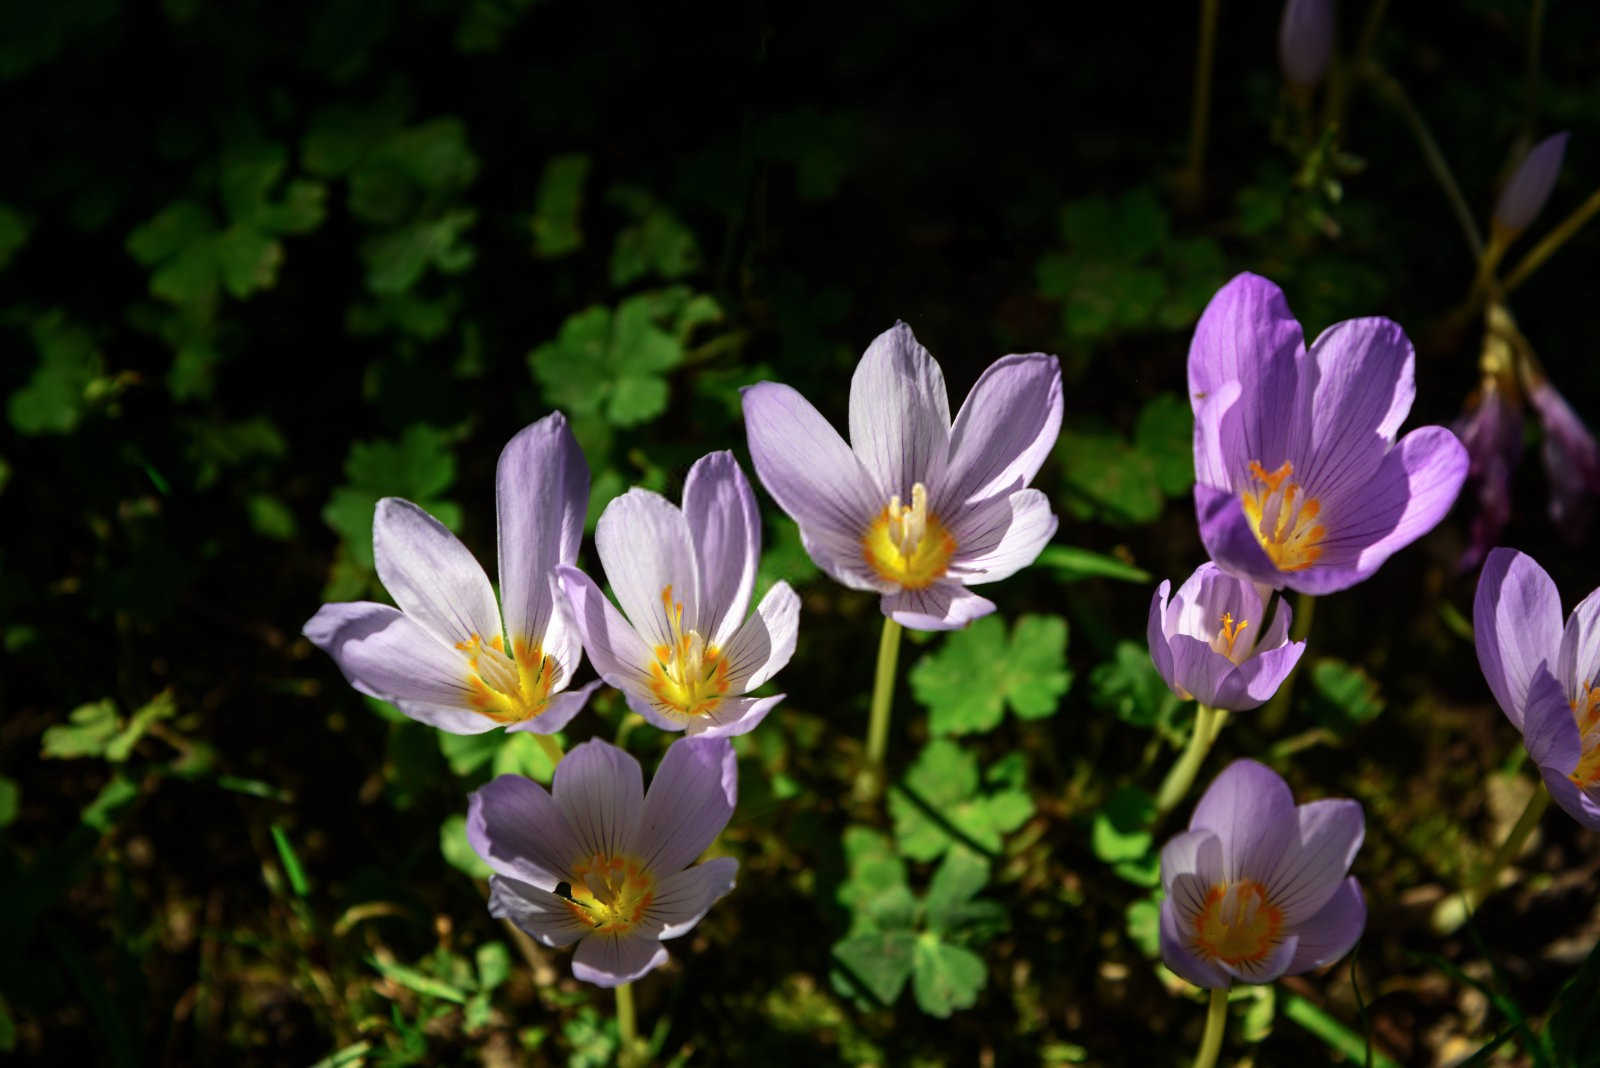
{"points": [[938, 803], [945, 977], [977, 672]]}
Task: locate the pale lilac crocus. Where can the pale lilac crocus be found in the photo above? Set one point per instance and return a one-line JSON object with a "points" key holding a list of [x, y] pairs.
{"points": [[1212, 644], [1299, 481], [1530, 186], [1491, 432], [1571, 460], [599, 862], [443, 656], [1258, 887], [685, 655], [1305, 40], [1546, 677], [915, 508]]}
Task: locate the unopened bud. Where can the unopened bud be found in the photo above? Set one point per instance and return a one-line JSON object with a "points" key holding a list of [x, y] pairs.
{"points": [[1305, 40], [1524, 195]]}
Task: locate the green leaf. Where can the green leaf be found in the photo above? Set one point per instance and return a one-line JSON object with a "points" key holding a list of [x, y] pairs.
{"points": [[977, 672], [520, 754], [10, 800], [175, 228], [162, 706], [557, 228], [875, 893], [396, 259], [14, 230], [945, 977], [291, 861], [1129, 686], [657, 243], [55, 397], [112, 798], [1165, 433], [494, 965], [417, 466], [426, 985], [1346, 696], [248, 259], [90, 730], [951, 906], [938, 804], [457, 849], [1142, 921], [881, 961], [1122, 826], [270, 517], [466, 753], [1069, 564], [1335, 1034], [1107, 479]]}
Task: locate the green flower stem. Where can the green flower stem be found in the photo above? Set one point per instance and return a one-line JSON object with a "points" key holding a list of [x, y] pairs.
{"points": [[1216, 1024], [1552, 241], [627, 1027], [1453, 911], [883, 693], [1192, 177], [1392, 92], [1277, 710], [1207, 725], [551, 747]]}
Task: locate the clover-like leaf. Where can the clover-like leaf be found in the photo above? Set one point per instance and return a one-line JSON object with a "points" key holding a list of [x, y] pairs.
{"points": [[938, 804], [1165, 433], [56, 396], [945, 977], [1107, 479], [1129, 686], [875, 893], [1345, 695], [881, 961], [1121, 829], [457, 850], [967, 684], [90, 728], [558, 206], [417, 466], [657, 242]]}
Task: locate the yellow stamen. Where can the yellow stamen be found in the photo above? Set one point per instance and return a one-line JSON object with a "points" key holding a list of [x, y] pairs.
{"points": [[908, 546], [1227, 634], [509, 689], [1586, 712], [611, 893], [1237, 925], [689, 678], [1284, 521]]}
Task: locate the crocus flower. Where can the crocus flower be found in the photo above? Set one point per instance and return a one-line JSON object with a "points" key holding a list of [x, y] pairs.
{"points": [[1305, 40], [1546, 677], [599, 862], [914, 508], [1257, 887], [1298, 479], [1212, 644], [1571, 460], [443, 657], [1491, 431], [1525, 194], [686, 653]]}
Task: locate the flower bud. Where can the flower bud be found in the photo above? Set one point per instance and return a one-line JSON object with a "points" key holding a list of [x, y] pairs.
{"points": [[1305, 40], [1491, 429], [1524, 195], [1571, 460]]}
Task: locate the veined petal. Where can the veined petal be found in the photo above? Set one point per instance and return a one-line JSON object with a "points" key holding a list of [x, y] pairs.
{"points": [[1578, 662], [387, 655], [600, 790], [1516, 625], [1574, 802], [1275, 964], [615, 649], [1175, 951], [558, 712], [1333, 931], [519, 831], [1549, 731], [942, 606], [431, 575], [899, 413], [725, 527], [1364, 388], [1197, 853], [691, 799], [1001, 536], [1004, 431], [1156, 635], [733, 717], [1229, 538], [1252, 811], [1200, 669], [683, 899], [537, 911], [1220, 460], [1307, 874], [613, 959], [644, 546], [541, 499], [763, 645], [562, 639], [1254, 681]]}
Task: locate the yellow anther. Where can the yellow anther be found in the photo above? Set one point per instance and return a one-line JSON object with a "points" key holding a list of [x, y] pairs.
{"points": [[611, 892], [1284, 521], [1227, 634], [687, 676], [1586, 712], [908, 546], [509, 689]]}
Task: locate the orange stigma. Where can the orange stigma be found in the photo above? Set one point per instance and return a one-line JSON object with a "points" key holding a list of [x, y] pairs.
{"points": [[1237, 925], [1283, 519]]}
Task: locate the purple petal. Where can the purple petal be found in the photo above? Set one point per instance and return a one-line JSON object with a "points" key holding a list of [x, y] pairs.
{"points": [[1175, 951], [558, 712], [1206, 596], [1197, 853], [644, 547], [1516, 625], [1571, 460], [600, 791], [1524, 196], [1491, 432], [1364, 388], [725, 526], [612, 959], [537, 911], [1006, 427], [1252, 811], [615, 649], [1253, 682], [942, 606], [561, 637], [1330, 934], [899, 413], [1578, 660], [1217, 463], [1317, 860], [431, 575], [1549, 729], [764, 644], [691, 799], [683, 899], [732, 717], [1578, 804], [1274, 964], [519, 831], [1199, 669], [1305, 40], [1001, 536], [541, 499], [812, 474], [387, 655], [1229, 538], [1155, 634]]}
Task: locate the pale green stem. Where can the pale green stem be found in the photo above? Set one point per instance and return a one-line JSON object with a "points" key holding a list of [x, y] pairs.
{"points": [[1392, 91], [1207, 725], [883, 694], [1547, 246], [1216, 1024], [551, 747], [627, 1028], [1277, 710], [1200, 97], [1452, 912]]}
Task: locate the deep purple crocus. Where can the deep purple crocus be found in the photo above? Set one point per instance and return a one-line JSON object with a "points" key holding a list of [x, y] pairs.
{"points": [[688, 651], [1546, 677], [1299, 481], [443, 656], [1305, 40], [915, 508], [1525, 194], [1212, 644], [1571, 461], [1491, 431], [599, 862], [1258, 887]]}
